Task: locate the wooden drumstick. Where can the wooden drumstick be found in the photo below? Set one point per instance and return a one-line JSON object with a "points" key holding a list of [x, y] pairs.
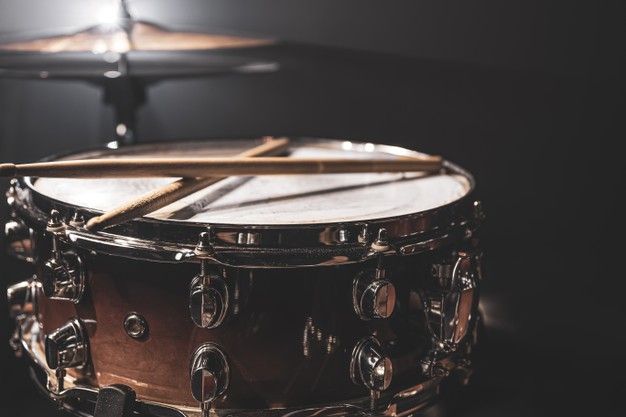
{"points": [[222, 167], [173, 192]]}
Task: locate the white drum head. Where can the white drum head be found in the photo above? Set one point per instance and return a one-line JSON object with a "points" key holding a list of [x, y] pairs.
{"points": [[271, 200]]}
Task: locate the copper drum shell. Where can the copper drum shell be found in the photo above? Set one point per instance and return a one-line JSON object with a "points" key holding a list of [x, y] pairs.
{"points": [[288, 334]]}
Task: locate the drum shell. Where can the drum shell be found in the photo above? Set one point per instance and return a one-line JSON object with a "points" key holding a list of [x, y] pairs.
{"points": [[288, 334]]}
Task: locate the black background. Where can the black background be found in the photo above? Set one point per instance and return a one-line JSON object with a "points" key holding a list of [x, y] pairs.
{"points": [[529, 96]]}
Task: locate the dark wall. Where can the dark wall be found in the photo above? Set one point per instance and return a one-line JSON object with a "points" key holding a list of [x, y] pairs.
{"points": [[529, 96], [580, 41], [558, 36]]}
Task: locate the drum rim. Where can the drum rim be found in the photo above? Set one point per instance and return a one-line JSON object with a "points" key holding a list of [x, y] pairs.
{"points": [[350, 239]]}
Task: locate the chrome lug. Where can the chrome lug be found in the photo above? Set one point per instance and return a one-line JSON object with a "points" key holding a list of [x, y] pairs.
{"points": [[17, 294], [67, 346], [370, 366], [373, 296], [208, 300], [22, 297], [450, 309], [63, 277], [209, 374], [20, 240], [208, 292]]}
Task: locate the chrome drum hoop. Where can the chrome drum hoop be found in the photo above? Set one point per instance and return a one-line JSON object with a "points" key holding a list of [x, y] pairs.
{"points": [[264, 246]]}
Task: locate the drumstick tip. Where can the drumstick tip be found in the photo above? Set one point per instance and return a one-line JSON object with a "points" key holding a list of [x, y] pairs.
{"points": [[8, 170], [93, 224]]}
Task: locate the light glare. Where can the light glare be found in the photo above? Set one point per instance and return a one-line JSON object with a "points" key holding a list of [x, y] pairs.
{"points": [[109, 15]]}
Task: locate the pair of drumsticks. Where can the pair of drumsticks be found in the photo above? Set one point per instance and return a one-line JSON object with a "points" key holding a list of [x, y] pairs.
{"points": [[199, 173]]}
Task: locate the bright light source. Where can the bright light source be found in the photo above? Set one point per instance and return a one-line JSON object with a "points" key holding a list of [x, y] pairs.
{"points": [[112, 74], [121, 129], [109, 15]]}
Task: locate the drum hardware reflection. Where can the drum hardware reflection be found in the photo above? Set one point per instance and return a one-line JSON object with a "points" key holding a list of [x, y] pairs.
{"points": [[277, 306]]}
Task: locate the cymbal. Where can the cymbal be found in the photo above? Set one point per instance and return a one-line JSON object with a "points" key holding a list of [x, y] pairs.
{"points": [[148, 65], [137, 36], [128, 47]]}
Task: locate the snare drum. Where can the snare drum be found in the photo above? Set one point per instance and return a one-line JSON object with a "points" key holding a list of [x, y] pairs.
{"points": [[309, 294]]}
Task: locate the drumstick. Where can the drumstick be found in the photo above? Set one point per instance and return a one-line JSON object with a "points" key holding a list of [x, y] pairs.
{"points": [[172, 192], [222, 167]]}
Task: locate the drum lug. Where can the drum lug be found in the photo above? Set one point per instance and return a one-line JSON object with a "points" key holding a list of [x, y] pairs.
{"points": [[371, 368], [66, 347], [373, 296], [209, 374], [16, 298], [22, 299], [451, 306], [20, 240], [208, 299], [208, 292], [63, 275]]}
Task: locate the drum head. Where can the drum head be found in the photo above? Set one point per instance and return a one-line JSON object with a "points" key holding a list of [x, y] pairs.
{"points": [[270, 200]]}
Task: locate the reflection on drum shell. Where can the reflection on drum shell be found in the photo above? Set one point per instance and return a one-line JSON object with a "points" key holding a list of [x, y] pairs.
{"points": [[288, 333]]}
